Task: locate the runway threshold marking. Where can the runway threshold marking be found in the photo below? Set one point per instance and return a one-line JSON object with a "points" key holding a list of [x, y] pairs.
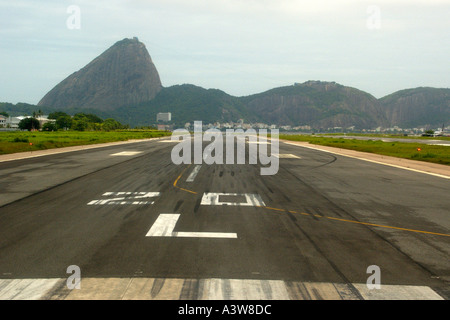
{"points": [[139, 288]]}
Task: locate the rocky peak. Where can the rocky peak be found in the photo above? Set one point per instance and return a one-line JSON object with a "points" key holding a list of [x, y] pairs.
{"points": [[122, 75]]}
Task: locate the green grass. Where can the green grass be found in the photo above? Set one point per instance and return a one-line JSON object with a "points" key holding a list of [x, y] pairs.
{"points": [[381, 135], [21, 141], [428, 153]]}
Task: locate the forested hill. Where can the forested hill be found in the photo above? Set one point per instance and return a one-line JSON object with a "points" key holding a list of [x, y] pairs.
{"points": [[315, 103], [418, 107]]}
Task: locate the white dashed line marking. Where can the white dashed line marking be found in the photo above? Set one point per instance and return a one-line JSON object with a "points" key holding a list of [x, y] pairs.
{"points": [[193, 174], [126, 153], [287, 156]]}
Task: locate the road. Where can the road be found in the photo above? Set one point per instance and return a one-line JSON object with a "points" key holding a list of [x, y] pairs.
{"points": [[140, 227]]}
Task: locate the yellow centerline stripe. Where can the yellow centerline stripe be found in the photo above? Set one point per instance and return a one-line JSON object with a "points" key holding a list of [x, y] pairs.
{"points": [[176, 181], [390, 227], [358, 222]]}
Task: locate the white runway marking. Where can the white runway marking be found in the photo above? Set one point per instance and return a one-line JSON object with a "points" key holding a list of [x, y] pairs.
{"points": [[259, 142], [123, 198], [25, 289], [137, 288], [212, 199], [165, 223], [396, 292], [287, 156], [193, 174], [126, 153]]}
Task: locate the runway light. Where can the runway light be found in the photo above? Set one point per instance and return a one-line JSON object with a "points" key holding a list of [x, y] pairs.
{"points": [[419, 149]]}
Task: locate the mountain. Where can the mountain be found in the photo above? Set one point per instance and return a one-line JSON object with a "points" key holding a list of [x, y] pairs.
{"points": [[418, 107], [123, 83], [122, 75], [315, 103], [318, 104], [187, 103]]}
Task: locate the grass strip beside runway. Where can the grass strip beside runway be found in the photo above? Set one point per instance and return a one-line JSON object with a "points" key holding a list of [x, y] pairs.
{"points": [[23, 141], [413, 151]]}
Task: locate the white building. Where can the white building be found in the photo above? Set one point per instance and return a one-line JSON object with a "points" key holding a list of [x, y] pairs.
{"points": [[2, 121], [164, 116], [13, 122]]}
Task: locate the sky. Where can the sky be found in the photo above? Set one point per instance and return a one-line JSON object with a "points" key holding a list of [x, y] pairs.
{"points": [[242, 47]]}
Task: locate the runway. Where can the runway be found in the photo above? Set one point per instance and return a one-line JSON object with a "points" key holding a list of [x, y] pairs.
{"points": [[140, 227]]}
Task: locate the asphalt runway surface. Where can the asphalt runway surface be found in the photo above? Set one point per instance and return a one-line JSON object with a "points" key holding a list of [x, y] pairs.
{"points": [[140, 227]]}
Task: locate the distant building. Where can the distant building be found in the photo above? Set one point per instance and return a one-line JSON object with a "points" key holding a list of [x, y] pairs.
{"points": [[164, 116], [2, 121], [13, 122], [165, 127], [44, 119]]}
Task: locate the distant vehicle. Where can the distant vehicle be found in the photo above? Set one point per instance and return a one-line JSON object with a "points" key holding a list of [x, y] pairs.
{"points": [[428, 133]]}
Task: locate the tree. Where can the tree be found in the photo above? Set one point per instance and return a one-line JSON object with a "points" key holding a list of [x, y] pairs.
{"points": [[49, 126], [79, 125], [55, 115], [37, 114], [111, 124], [63, 122], [93, 118], [83, 121], [29, 124]]}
